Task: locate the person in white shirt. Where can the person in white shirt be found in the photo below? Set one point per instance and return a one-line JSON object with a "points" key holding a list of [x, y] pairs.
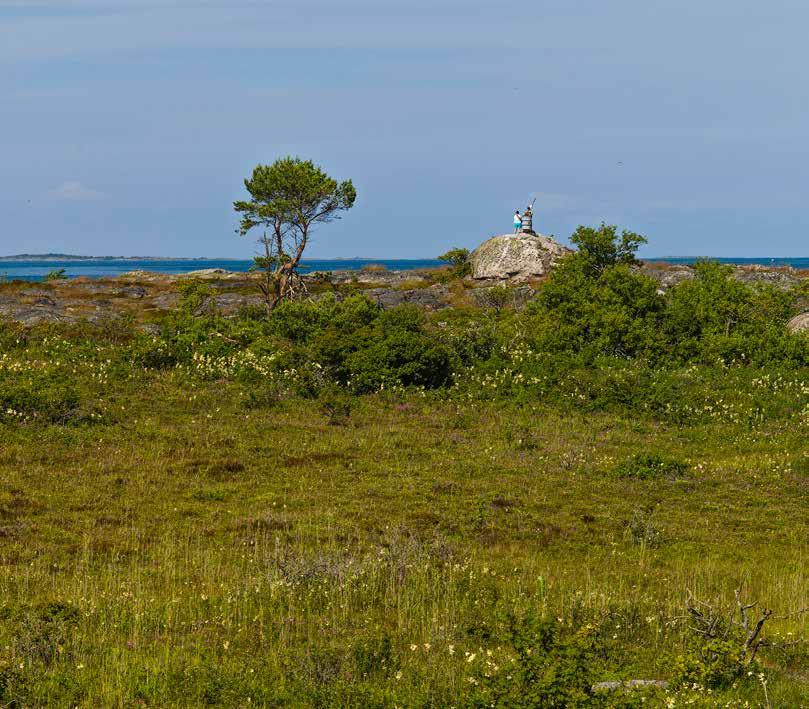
{"points": [[517, 221]]}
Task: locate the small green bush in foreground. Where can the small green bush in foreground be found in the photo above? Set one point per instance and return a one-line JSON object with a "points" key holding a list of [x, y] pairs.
{"points": [[651, 466]]}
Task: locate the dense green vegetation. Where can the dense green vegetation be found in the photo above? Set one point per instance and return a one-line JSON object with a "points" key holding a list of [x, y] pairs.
{"points": [[336, 505]]}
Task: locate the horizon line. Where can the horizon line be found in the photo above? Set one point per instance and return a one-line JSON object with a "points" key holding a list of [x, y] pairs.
{"points": [[67, 257]]}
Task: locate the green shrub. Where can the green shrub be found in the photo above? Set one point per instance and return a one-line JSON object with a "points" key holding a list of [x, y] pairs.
{"points": [[336, 404], [470, 338], [651, 466], [393, 349], [12, 336], [56, 274], [713, 663], [404, 358], [714, 317], [40, 400], [263, 395], [43, 631], [551, 667], [601, 247], [616, 313], [458, 259], [153, 353], [495, 298], [299, 321], [375, 268]]}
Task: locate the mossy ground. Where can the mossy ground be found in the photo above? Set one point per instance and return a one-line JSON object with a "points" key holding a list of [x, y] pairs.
{"points": [[218, 553]]}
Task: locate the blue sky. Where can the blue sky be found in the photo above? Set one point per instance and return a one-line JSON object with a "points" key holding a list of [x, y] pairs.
{"points": [[128, 126]]}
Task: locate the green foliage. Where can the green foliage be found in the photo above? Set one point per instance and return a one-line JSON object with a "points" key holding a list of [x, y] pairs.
{"points": [[602, 247], [458, 259], [550, 667], [295, 192], [651, 466], [400, 357], [596, 304], [363, 347], [302, 322], [56, 274], [716, 317], [495, 298], [12, 336], [39, 399], [714, 663], [455, 257], [194, 295], [616, 312], [337, 405]]}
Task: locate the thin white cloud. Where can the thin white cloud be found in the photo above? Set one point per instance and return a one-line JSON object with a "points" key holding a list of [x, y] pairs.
{"points": [[82, 28], [74, 191], [42, 29]]}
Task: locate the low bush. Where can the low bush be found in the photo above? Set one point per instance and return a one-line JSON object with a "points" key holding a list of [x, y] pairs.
{"points": [[713, 663], [643, 531], [38, 400], [336, 404], [375, 268], [400, 357], [458, 259], [651, 466], [543, 664]]}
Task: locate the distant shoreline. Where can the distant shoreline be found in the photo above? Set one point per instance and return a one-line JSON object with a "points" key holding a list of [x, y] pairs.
{"points": [[16, 258], [38, 267], [69, 257], [56, 258]]}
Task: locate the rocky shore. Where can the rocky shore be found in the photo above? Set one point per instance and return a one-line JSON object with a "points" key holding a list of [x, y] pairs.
{"points": [[143, 296]]}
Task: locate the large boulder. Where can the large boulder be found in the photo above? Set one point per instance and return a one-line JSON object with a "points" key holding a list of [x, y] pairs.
{"points": [[515, 257], [800, 323]]}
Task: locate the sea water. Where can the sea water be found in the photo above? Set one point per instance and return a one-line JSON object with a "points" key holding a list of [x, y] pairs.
{"points": [[35, 270]]}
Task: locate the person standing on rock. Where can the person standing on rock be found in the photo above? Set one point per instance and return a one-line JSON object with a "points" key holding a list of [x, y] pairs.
{"points": [[517, 221]]}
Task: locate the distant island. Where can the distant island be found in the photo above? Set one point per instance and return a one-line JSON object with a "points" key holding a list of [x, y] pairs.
{"points": [[15, 258], [74, 257]]}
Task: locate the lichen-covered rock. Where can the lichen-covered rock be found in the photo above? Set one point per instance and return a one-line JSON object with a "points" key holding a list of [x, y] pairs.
{"points": [[800, 323], [33, 314], [433, 298], [779, 277], [230, 303], [136, 292], [515, 257], [380, 278], [219, 274], [165, 301], [666, 275]]}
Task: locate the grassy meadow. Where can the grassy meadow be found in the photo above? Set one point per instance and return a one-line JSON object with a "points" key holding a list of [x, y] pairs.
{"points": [[339, 506]]}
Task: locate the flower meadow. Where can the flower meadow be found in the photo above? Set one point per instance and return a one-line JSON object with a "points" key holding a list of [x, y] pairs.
{"points": [[339, 505]]}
